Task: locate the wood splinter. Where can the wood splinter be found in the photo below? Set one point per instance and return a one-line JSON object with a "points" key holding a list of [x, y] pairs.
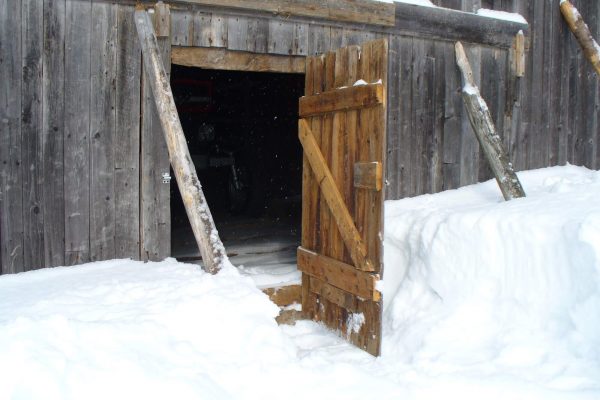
{"points": [[483, 126]]}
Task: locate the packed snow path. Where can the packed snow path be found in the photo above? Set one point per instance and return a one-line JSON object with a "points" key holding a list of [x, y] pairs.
{"points": [[484, 299]]}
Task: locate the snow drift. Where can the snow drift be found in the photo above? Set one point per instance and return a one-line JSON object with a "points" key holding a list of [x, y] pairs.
{"points": [[483, 299]]}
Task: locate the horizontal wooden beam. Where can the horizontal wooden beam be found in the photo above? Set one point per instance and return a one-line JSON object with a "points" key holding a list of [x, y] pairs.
{"points": [[368, 175], [342, 99], [447, 24], [223, 59], [339, 274], [337, 296], [356, 11]]}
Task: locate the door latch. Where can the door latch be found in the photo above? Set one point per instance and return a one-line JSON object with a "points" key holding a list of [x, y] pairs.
{"points": [[166, 177]]}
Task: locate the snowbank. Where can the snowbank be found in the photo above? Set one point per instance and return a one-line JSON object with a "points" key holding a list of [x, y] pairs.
{"points": [[484, 299], [481, 286]]}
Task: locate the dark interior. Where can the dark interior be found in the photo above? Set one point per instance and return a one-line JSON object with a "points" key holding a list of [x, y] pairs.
{"points": [[241, 129]]}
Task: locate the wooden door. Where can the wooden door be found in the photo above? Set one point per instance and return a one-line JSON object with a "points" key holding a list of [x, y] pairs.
{"points": [[342, 131]]}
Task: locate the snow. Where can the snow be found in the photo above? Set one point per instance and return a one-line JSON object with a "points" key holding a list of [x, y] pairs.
{"points": [[426, 3], [503, 15], [484, 299]]}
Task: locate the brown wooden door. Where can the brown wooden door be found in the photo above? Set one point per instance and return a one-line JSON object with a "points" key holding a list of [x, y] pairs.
{"points": [[342, 131]]}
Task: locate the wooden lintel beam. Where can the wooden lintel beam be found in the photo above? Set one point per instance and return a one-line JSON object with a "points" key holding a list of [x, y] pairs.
{"points": [[350, 235], [342, 99], [223, 59], [339, 274]]}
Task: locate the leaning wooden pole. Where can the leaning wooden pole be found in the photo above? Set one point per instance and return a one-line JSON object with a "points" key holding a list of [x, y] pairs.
{"points": [[205, 232], [483, 126], [590, 47]]}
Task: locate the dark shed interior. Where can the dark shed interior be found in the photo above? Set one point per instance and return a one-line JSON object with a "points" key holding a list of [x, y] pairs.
{"points": [[241, 129]]}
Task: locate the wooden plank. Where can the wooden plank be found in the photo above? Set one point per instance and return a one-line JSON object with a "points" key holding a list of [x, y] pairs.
{"points": [[155, 212], [53, 132], [182, 28], [336, 296], [393, 163], [358, 11], [281, 37], [285, 295], [338, 274], [102, 131], [447, 24], [202, 29], [77, 131], [207, 237], [334, 199], [237, 33], [520, 55], [469, 147], [31, 132], [319, 37], [221, 59], [368, 175], [342, 99], [127, 138], [258, 34], [300, 46], [11, 195]]}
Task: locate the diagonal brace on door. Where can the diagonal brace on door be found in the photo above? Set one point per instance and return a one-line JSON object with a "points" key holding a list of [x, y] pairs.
{"points": [[334, 199]]}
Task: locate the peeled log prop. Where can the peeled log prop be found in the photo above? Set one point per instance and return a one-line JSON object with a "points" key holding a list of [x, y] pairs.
{"points": [[483, 126], [207, 237], [582, 33]]}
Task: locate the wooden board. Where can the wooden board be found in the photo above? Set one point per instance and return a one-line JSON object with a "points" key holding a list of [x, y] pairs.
{"points": [[222, 59], [359, 11], [77, 131], [155, 219], [342, 224]]}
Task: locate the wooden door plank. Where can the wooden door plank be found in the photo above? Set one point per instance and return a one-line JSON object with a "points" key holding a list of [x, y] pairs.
{"points": [[333, 294], [52, 132], [77, 131], [334, 199], [339, 274], [342, 99]]}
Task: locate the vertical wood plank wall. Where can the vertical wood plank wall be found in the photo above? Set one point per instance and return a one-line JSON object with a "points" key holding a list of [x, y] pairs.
{"points": [[70, 145]]}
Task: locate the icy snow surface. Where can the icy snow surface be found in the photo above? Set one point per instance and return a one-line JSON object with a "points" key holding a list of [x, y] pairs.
{"points": [[507, 16], [485, 300]]}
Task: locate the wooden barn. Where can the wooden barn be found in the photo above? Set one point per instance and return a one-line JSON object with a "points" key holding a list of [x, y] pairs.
{"points": [[301, 117]]}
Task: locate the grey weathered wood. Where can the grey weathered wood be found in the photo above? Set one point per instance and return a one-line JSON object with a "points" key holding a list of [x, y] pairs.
{"points": [[452, 121], [76, 139], [319, 38], [485, 131], [202, 29], [127, 138], [102, 131], [31, 133], [469, 148], [218, 31], [207, 237], [53, 132], [155, 224], [582, 33], [281, 37], [11, 189], [182, 28], [258, 32], [237, 33]]}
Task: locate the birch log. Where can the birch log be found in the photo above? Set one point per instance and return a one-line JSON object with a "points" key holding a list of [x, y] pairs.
{"points": [[483, 126], [590, 47], [205, 232]]}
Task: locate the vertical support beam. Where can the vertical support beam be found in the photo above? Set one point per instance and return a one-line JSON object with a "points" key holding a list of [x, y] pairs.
{"points": [[207, 237]]}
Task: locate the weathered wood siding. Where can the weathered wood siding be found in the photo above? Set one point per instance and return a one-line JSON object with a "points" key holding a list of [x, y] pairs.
{"points": [[72, 136], [549, 117]]}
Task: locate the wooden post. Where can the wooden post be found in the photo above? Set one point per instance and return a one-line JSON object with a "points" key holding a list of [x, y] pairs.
{"points": [[207, 237], [582, 33], [483, 126]]}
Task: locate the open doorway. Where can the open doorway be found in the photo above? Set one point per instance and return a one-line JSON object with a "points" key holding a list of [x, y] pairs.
{"points": [[241, 129]]}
